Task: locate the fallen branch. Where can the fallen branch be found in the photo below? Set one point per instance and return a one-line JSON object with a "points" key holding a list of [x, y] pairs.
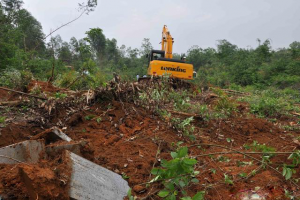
{"points": [[294, 113], [235, 91], [10, 103], [234, 152], [185, 114], [23, 93]]}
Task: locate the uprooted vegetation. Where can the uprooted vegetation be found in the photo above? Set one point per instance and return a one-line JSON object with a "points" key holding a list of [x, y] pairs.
{"points": [[167, 141]]}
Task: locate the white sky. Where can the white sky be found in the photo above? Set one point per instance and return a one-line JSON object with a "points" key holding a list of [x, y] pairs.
{"points": [[191, 22]]}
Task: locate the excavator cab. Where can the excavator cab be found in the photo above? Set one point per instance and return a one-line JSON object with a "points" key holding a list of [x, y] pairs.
{"points": [[156, 54]]}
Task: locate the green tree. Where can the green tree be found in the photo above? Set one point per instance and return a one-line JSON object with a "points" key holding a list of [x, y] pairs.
{"points": [[97, 40], [146, 47]]}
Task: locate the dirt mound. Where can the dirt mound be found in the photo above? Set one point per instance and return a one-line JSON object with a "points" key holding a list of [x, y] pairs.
{"points": [[49, 179], [17, 132], [4, 95], [44, 86], [9, 96]]}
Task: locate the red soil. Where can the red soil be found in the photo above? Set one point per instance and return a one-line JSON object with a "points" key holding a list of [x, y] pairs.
{"points": [[45, 86], [127, 139]]}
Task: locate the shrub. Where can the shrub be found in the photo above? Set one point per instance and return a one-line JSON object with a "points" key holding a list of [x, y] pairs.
{"points": [[268, 104], [224, 104], [17, 79], [177, 175]]}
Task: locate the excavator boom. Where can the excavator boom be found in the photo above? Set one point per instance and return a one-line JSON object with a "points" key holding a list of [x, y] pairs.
{"points": [[167, 42]]}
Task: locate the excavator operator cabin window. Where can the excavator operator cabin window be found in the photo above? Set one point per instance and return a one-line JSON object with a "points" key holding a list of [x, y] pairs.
{"points": [[156, 56]]}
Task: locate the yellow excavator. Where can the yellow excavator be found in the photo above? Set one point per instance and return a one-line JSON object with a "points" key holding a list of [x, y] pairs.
{"points": [[161, 62]]}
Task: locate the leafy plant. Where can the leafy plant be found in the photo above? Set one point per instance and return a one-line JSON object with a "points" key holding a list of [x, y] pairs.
{"points": [[229, 140], [60, 95], [214, 171], [203, 111], [255, 146], [177, 175], [295, 157], [2, 119], [181, 100], [243, 175], [184, 126], [124, 176], [98, 119], [228, 180], [36, 90], [89, 117], [269, 104], [287, 172], [224, 104], [14, 78], [129, 195], [223, 159]]}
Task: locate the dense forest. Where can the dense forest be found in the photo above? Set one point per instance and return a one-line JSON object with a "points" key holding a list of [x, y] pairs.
{"points": [[27, 52]]}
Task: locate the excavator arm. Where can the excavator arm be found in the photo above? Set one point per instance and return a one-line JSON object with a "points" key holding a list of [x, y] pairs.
{"points": [[167, 42]]}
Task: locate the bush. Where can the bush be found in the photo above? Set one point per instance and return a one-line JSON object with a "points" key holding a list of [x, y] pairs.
{"points": [[16, 79], [269, 104], [224, 104], [80, 81]]}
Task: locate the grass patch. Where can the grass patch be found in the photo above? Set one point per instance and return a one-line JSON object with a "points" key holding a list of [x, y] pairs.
{"points": [[270, 103]]}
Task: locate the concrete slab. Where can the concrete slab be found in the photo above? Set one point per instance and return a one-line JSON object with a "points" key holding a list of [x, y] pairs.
{"points": [[90, 181], [28, 151]]}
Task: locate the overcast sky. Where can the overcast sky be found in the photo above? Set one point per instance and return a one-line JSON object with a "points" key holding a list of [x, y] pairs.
{"points": [[191, 22]]}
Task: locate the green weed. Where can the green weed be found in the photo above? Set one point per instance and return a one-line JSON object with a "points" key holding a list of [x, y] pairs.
{"points": [[2, 119], [89, 117], [184, 126], [177, 175], [60, 95]]}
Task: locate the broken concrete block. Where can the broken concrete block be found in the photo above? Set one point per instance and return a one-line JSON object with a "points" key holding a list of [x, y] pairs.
{"points": [[91, 181], [28, 151], [73, 147], [52, 135]]}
